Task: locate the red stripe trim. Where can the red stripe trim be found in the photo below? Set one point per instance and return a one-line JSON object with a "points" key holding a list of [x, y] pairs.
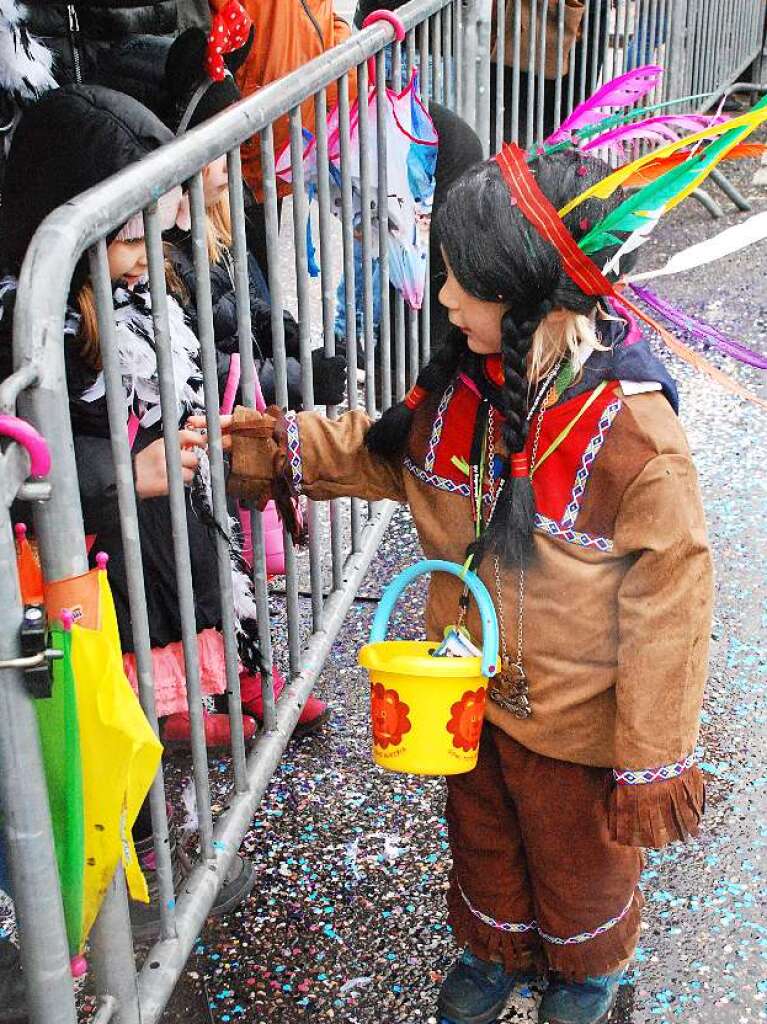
{"points": [[547, 222], [414, 397]]}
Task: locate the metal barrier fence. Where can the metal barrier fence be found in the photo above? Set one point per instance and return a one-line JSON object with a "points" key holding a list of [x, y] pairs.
{"points": [[452, 41]]}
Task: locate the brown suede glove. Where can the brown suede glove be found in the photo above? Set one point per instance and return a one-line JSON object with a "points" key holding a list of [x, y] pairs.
{"points": [[260, 469]]}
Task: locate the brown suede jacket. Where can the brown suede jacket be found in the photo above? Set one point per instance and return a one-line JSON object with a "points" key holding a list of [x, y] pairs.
{"points": [[618, 594]]}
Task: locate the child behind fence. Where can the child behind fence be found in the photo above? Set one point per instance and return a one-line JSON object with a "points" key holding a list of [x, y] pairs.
{"points": [[72, 139]]}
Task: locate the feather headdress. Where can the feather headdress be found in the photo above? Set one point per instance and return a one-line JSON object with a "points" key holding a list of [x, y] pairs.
{"points": [[663, 178]]}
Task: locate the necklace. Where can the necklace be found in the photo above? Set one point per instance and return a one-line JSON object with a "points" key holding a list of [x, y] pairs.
{"points": [[510, 688]]}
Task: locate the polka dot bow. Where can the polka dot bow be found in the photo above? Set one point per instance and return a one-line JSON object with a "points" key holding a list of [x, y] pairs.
{"points": [[229, 31]]}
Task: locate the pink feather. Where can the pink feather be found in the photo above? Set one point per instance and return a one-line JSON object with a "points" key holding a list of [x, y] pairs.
{"points": [[666, 128], [622, 91]]}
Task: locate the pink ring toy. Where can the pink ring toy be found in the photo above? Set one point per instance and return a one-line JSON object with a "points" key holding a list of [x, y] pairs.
{"points": [[391, 18], [35, 444]]}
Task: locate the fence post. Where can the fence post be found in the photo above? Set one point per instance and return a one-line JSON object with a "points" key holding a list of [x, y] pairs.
{"points": [[24, 804], [676, 63]]}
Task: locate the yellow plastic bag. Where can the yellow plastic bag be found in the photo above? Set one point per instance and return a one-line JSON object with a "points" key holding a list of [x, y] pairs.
{"points": [[120, 756]]}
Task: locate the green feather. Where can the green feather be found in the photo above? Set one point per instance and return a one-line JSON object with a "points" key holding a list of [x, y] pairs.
{"points": [[651, 200]]}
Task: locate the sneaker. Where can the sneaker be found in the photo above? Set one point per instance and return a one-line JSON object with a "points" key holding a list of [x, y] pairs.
{"points": [[145, 917], [314, 713], [474, 991], [176, 731], [587, 1002], [13, 994]]}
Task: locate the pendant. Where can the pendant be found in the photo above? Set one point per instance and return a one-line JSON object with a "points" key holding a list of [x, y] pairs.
{"points": [[511, 693]]}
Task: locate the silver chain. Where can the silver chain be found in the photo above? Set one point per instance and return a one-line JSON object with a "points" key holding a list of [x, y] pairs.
{"points": [[518, 702]]}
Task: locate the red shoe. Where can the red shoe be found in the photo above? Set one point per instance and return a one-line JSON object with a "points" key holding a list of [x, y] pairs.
{"points": [[314, 714], [176, 731]]}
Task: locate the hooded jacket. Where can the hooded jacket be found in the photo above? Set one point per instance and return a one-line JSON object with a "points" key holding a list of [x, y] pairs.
{"points": [[71, 140], [117, 43], [288, 34], [618, 590]]}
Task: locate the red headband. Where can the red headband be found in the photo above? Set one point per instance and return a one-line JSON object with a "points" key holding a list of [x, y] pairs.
{"points": [[547, 222]]}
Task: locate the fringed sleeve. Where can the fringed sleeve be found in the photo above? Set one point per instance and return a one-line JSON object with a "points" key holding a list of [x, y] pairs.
{"points": [[280, 455], [649, 809]]}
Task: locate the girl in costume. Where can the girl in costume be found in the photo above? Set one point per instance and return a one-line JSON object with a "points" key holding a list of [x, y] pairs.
{"points": [[545, 434]]}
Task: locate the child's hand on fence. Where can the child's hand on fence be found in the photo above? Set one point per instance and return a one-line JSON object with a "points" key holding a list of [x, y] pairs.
{"points": [[201, 423], [149, 467]]}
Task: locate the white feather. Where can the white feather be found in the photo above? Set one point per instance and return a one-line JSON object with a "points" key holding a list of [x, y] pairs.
{"points": [[731, 240], [138, 359], [25, 64], [634, 240]]}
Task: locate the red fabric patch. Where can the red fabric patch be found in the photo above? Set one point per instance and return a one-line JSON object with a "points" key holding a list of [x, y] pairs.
{"points": [[457, 433], [553, 482], [494, 371], [229, 31]]}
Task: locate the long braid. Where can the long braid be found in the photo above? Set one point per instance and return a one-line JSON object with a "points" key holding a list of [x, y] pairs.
{"points": [[511, 531], [388, 436]]}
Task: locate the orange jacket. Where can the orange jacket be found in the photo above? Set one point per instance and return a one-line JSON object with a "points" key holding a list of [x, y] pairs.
{"points": [[288, 34]]}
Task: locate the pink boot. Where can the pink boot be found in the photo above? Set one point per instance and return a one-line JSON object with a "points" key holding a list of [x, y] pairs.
{"points": [[176, 731], [314, 714]]}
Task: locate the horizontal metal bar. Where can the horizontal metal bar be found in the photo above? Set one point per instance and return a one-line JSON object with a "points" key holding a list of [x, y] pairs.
{"points": [[166, 960], [33, 660]]}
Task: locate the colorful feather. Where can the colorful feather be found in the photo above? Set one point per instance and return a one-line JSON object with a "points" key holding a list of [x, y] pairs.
{"points": [[638, 215], [695, 359], [652, 171], [699, 330], [622, 91], [665, 128], [736, 128], [732, 239]]}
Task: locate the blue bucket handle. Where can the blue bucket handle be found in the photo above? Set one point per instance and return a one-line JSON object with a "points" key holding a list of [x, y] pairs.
{"points": [[478, 589]]}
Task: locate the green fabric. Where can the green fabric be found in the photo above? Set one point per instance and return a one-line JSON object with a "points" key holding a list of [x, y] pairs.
{"points": [[60, 742]]}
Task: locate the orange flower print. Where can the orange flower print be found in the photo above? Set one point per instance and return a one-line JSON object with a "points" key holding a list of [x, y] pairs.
{"points": [[466, 718], [390, 717]]}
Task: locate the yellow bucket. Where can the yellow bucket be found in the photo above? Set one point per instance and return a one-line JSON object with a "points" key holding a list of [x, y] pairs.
{"points": [[427, 713]]}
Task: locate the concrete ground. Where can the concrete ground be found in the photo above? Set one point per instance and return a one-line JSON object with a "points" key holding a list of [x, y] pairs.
{"points": [[347, 920]]}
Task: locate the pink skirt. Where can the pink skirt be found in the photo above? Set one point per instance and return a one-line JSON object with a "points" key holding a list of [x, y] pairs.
{"points": [[170, 676]]}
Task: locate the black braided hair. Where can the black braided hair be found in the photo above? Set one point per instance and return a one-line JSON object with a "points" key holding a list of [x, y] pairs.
{"points": [[496, 255]]}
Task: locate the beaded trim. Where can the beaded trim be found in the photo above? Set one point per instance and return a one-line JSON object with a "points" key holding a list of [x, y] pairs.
{"points": [[587, 460], [583, 540], [518, 927], [436, 433], [441, 482], [532, 926], [642, 776], [294, 452], [576, 940]]}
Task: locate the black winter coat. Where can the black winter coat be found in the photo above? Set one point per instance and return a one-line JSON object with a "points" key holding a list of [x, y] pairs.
{"points": [[121, 44], [225, 320]]}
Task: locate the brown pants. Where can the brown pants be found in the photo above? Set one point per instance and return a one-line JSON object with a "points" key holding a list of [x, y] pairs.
{"points": [[536, 879]]}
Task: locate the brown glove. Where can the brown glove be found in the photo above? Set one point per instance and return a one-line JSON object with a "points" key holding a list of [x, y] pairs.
{"points": [[260, 470]]}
